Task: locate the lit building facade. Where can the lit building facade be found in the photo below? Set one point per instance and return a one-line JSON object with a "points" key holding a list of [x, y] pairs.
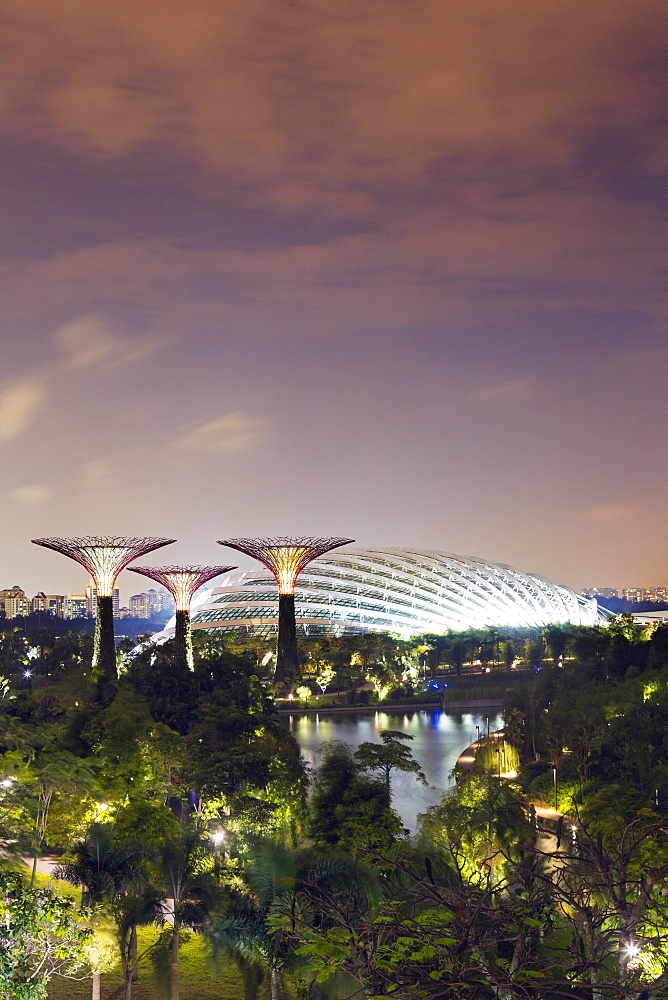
{"points": [[75, 606], [403, 591], [91, 600], [14, 602], [607, 592]]}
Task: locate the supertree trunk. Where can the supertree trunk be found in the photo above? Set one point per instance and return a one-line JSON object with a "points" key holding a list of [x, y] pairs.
{"points": [[287, 657], [286, 558], [104, 647], [182, 582], [183, 642], [104, 558]]}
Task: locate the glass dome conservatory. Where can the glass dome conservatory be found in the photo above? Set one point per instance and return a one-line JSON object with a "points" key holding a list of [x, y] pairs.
{"points": [[403, 591]]}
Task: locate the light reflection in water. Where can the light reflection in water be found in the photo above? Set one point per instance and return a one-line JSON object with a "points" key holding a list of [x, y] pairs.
{"points": [[438, 740]]}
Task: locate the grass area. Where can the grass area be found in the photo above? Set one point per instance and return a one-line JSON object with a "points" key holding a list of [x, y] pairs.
{"points": [[201, 977]]}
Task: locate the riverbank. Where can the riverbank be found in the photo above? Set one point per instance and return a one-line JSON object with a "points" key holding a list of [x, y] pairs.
{"points": [[472, 705]]}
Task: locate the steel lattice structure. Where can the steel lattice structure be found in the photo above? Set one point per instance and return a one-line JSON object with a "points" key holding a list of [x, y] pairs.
{"points": [[182, 582], [286, 558], [104, 558]]}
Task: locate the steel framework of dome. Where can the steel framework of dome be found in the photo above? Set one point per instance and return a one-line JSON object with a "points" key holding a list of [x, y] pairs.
{"points": [[403, 591]]}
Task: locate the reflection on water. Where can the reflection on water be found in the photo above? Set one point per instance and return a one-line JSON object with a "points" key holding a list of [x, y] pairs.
{"points": [[438, 739]]}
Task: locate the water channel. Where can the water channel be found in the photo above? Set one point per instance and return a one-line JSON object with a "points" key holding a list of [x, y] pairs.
{"points": [[438, 739]]}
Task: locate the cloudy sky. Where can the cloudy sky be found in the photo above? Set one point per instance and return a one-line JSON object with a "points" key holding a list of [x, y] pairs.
{"points": [[388, 269]]}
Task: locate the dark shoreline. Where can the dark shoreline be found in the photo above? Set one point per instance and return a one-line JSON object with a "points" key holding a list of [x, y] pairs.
{"points": [[457, 706]]}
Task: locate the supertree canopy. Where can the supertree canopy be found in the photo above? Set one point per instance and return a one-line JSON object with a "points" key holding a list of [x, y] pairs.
{"points": [[104, 558], [182, 582], [286, 558]]}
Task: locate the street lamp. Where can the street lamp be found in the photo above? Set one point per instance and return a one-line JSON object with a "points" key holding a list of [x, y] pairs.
{"points": [[498, 758], [477, 733], [28, 676]]}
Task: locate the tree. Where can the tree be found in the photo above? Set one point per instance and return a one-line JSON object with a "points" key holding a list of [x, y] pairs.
{"points": [[182, 863], [107, 874], [349, 809], [557, 638], [483, 821], [325, 676], [390, 756], [244, 932], [607, 878], [41, 935], [252, 929], [583, 922]]}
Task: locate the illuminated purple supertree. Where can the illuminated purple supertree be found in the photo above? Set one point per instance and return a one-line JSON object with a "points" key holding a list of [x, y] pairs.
{"points": [[286, 558], [104, 558], [182, 582]]}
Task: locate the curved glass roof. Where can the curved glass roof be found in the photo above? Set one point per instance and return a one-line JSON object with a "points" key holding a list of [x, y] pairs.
{"points": [[405, 591]]}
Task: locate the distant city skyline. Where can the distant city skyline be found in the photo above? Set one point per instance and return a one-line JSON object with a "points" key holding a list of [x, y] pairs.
{"points": [[380, 270], [158, 600]]}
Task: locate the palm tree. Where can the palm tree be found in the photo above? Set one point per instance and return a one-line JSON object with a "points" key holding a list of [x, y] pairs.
{"points": [[132, 911], [183, 862], [243, 933], [258, 927], [107, 874]]}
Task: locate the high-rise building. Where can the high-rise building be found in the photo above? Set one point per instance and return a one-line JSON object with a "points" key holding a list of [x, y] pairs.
{"points": [[608, 592], [75, 606], [635, 594], [55, 604], [91, 600], [139, 606], [159, 600], [38, 603], [14, 602], [656, 594]]}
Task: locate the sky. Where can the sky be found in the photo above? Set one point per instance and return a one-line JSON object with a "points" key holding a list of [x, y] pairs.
{"points": [[390, 270]]}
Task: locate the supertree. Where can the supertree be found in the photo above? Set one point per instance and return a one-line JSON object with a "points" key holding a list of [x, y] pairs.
{"points": [[104, 558], [286, 558], [182, 582]]}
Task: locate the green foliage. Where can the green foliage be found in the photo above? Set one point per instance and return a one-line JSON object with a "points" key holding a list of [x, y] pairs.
{"points": [[42, 935], [482, 820], [145, 820], [390, 755], [348, 809]]}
